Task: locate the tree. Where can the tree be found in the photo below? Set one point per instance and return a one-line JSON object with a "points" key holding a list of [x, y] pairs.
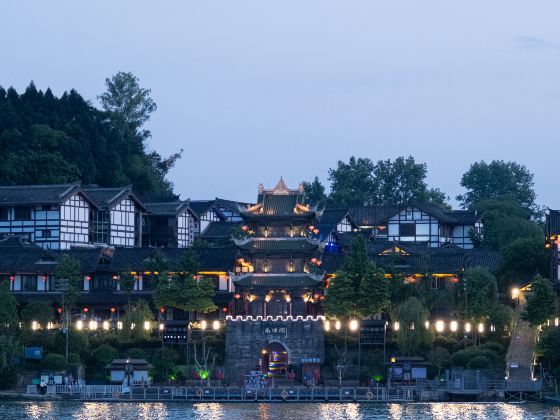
{"points": [[45, 140], [127, 282], [55, 362], [185, 290], [361, 182], [341, 300], [541, 302], [9, 350], [69, 272], [439, 357], [351, 183], [412, 335], [37, 310], [498, 179], [8, 309], [521, 260], [359, 288], [402, 182], [133, 323], [481, 291], [125, 99], [103, 355], [505, 220], [314, 192], [502, 318]]}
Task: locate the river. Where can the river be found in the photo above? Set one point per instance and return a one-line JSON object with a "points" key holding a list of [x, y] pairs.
{"points": [[61, 410]]}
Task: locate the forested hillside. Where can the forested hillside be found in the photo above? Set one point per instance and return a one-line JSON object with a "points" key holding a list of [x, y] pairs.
{"points": [[45, 139]]}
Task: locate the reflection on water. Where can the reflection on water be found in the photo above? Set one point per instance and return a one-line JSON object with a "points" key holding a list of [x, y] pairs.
{"points": [[62, 410]]}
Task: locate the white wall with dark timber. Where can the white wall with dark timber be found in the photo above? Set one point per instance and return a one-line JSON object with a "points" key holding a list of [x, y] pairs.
{"points": [[123, 223], [74, 221]]}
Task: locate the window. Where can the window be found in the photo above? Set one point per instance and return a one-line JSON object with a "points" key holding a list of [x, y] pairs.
{"points": [[29, 283], [407, 229], [22, 213], [4, 213], [46, 233]]}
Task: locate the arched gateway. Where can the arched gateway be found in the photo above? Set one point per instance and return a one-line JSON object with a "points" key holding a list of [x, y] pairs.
{"points": [[278, 278], [275, 359]]}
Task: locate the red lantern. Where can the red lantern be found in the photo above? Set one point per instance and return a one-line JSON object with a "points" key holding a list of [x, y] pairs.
{"points": [[44, 278], [113, 310], [115, 277], [225, 309], [86, 310], [162, 309], [59, 310], [244, 228], [237, 296], [88, 278], [12, 277]]}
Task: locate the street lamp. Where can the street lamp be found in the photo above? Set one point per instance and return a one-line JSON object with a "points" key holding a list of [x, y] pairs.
{"points": [[353, 325], [337, 325], [327, 325], [147, 325], [453, 326], [440, 326], [216, 325], [80, 324], [203, 324]]}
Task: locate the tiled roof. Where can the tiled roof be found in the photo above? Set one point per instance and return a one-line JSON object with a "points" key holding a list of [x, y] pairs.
{"points": [[201, 206], [283, 244], [371, 215], [36, 194], [553, 222], [168, 208], [422, 259], [218, 230], [277, 280], [106, 198]]}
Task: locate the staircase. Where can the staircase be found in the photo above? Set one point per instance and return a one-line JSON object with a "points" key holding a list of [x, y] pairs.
{"points": [[520, 356]]}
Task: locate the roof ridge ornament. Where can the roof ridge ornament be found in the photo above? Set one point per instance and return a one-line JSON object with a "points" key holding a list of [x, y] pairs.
{"points": [[281, 185]]}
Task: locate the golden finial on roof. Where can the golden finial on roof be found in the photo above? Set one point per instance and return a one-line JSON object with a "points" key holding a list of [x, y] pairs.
{"points": [[281, 186]]}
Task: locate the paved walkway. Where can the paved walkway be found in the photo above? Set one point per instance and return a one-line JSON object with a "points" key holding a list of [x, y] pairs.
{"points": [[520, 356]]}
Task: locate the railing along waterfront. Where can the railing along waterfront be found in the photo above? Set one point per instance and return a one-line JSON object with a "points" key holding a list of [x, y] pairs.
{"points": [[163, 393]]}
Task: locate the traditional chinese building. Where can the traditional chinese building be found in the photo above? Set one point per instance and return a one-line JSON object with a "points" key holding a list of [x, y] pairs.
{"points": [[274, 323], [552, 240]]}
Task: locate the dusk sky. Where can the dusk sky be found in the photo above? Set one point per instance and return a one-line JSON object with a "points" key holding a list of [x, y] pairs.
{"points": [[252, 90]]}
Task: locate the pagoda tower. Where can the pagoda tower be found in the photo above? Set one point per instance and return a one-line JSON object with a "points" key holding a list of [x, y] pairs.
{"points": [[274, 326], [278, 272]]}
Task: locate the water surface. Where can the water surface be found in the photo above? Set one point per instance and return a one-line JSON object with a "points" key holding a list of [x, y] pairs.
{"points": [[61, 410]]}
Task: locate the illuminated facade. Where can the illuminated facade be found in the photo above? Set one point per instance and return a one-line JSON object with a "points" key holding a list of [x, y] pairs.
{"points": [[552, 243]]}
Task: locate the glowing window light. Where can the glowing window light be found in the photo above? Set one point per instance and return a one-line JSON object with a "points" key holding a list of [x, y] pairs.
{"points": [[203, 324], [453, 326], [79, 324], [216, 325], [327, 325], [481, 328], [337, 325], [468, 327], [440, 326], [147, 325], [105, 325], [396, 326], [353, 325], [34, 325], [161, 326], [119, 325], [556, 322], [92, 325]]}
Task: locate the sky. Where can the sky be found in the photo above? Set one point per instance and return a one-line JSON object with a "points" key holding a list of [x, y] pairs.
{"points": [[255, 90]]}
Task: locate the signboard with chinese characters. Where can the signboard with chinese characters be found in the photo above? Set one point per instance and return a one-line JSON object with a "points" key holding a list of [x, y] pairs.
{"points": [[372, 332], [275, 331]]}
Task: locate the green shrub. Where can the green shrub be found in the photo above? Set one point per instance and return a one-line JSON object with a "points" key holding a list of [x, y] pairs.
{"points": [[136, 353], [461, 358], [38, 310], [104, 354], [78, 342], [74, 358], [55, 362], [478, 362], [492, 345]]}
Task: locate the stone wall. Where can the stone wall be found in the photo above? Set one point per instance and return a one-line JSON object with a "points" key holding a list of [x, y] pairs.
{"points": [[245, 338]]}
